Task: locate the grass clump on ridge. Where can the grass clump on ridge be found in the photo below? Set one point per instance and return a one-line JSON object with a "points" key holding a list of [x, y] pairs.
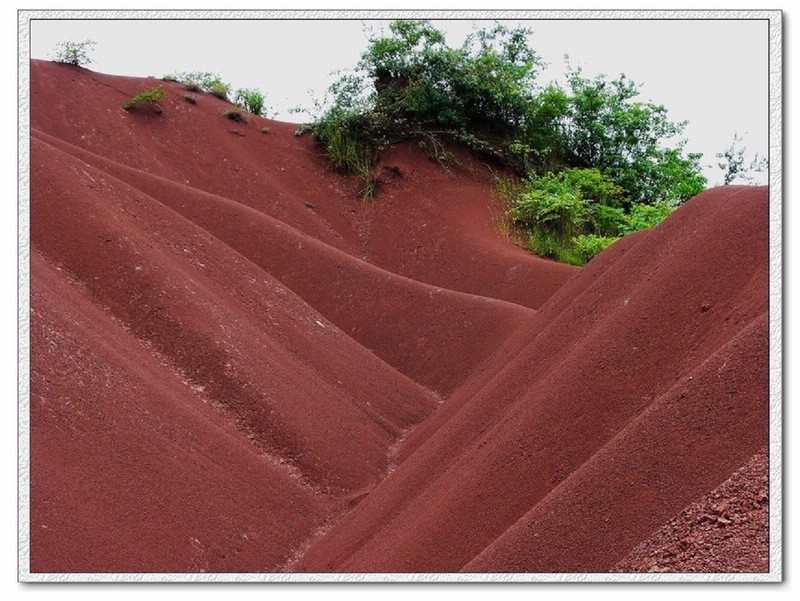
{"points": [[251, 100], [201, 81], [148, 97]]}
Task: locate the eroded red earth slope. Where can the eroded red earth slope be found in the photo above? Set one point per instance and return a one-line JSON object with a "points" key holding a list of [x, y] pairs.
{"points": [[236, 365]]}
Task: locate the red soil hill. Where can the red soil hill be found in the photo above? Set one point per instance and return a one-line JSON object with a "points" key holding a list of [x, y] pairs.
{"points": [[641, 386], [238, 366]]}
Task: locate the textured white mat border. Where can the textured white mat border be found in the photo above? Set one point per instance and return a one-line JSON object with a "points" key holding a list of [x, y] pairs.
{"points": [[774, 17]]}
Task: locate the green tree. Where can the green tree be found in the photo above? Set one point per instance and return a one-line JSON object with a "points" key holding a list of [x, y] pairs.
{"points": [[592, 153], [608, 128], [733, 162], [74, 53], [409, 83]]}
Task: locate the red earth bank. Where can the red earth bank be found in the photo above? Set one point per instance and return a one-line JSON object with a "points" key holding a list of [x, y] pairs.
{"points": [[238, 366]]}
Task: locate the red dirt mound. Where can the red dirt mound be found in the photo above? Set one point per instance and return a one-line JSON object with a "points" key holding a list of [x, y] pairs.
{"points": [[643, 387], [132, 468], [431, 225], [239, 366], [434, 336]]}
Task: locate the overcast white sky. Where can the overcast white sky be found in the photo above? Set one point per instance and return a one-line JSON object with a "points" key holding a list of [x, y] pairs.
{"points": [[712, 73]]}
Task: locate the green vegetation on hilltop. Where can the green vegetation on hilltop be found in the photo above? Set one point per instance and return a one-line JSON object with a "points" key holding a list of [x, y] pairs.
{"points": [[250, 99], [590, 155], [74, 53], [148, 97]]}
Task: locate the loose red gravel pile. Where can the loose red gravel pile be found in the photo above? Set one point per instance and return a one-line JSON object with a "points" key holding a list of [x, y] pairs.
{"points": [[726, 531], [239, 366]]}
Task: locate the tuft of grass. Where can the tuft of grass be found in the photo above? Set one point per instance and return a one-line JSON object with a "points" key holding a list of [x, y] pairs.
{"points": [[219, 89], [265, 129], [198, 81], [369, 181], [251, 100], [506, 190], [148, 97], [236, 115]]}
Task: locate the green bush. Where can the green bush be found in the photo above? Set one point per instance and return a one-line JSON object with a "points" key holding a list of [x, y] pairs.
{"points": [[644, 216], [74, 53], [574, 214], [251, 100], [550, 205], [569, 201], [587, 246], [552, 246], [410, 84], [148, 97], [630, 141]]}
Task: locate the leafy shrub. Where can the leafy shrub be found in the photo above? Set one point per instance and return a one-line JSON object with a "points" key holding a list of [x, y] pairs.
{"points": [[569, 201], [575, 214], [587, 246], [559, 210], [546, 244], [549, 204], [148, 97], [485, 94], [607, 127], [644, 216], [251, 100], [74, 53]]}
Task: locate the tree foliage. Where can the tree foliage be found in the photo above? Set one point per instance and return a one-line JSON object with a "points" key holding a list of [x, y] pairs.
{"points": [[74, 53], [733, 162], [570, 143]]}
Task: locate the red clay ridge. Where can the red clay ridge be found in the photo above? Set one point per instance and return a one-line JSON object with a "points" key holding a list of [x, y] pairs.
{"points": [[238, 366]]}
